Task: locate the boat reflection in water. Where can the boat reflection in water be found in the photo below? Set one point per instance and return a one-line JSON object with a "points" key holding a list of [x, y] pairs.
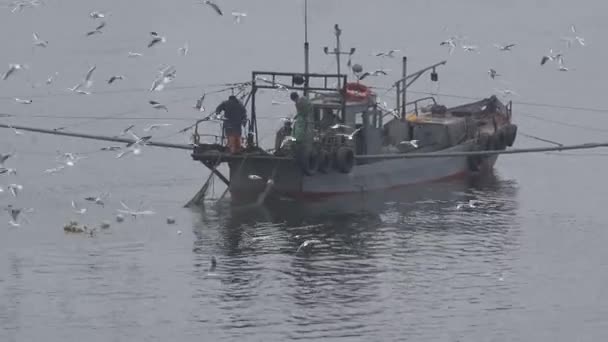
{"points": [[436, 206]]}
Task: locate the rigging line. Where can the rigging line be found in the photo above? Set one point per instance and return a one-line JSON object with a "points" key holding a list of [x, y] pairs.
{"points": [[557, 122], [126, 91], [113, 116], [540, 139]]}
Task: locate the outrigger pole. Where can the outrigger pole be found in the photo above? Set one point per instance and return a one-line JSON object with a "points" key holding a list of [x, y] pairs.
{"points": [[221, 157], [306, 49]]}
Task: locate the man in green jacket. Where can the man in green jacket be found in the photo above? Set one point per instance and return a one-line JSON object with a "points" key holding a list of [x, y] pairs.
{"points": [[303, 125]]}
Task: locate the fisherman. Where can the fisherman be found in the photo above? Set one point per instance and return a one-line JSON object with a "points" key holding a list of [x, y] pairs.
{"points": [[302, 128], [235, 116]]}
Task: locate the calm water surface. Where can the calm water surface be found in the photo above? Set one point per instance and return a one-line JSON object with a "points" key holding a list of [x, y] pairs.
{"points": [[529, 264]]}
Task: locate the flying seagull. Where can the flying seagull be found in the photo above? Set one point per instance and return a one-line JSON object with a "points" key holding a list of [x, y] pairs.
{"points": [[97, 29], [389, 53], [156, 39], [238, 16], [493, 73], [158, 105], [504, 47], [97, 15], [22, 101], [214, 6], [11, 70], [156, 126], [550, 57], [449, 42], [97, 199], [39, 42], [87, 78], [134, 213], [15, 189], [77, 209], [199, 103], [183, 50], [134, 54], [115, 78]]}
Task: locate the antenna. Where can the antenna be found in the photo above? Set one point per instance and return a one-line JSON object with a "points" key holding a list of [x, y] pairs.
{"points": [[337, 51], [306, 49]]}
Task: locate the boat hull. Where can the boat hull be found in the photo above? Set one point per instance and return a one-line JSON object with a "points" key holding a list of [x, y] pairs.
{"points": [[249, 179]]}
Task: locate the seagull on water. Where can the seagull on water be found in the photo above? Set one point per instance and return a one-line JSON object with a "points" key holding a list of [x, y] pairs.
{"points": [[38, 41], [307, 244], [156, 39], [507, 47], [12, 68], [115, 78], [472, 204], [238, 16], [158, 105], [213, 5]]}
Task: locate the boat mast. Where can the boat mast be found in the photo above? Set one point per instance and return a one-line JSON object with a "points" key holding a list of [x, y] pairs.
{"points": [[306, 49], [338, 51]]}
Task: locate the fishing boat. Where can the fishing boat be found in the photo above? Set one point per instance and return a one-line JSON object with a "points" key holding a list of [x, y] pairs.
{"points": [[357, 144]]}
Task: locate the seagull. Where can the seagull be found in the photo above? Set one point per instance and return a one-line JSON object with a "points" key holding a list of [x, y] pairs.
{"points": [[4, 158], [389, 53], [170, 220], [308, 243], [111, 148], [8, 171], [126, 130], [97, 29], [470, 205], [506, 92], [15, 189], [158, 105], [449, 42], [550, 57], [470, 48], [97, 200], [373, 73], [11, 70], [22, 101], [237, 16], [83, 92], [560, 61], [507, 47], [134, 213], [77, 209], [254, 177], [199, 103], [120, 218], [55, 170], [183, 50], [156, 39], [75, 88], [87, 78], [15, 214], [412, 143], [214, 6], [493, 73], [51, 78], [134, 54], [114, 78], [97, 15], [38, 41], [166, 76], [156, 126]]}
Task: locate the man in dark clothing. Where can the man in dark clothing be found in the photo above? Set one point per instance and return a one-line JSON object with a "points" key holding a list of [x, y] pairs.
{"points": [[235, 116]]}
